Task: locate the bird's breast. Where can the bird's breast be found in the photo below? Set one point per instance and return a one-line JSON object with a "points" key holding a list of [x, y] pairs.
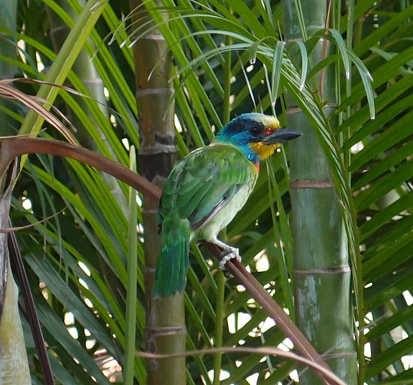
{"points": [[225, 216]]}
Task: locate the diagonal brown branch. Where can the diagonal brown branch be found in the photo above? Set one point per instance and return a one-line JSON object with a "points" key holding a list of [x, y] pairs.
{"points": [[12, 147]]}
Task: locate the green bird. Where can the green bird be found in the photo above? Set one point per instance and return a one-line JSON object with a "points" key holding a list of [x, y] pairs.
{"points": [[207, 188]]}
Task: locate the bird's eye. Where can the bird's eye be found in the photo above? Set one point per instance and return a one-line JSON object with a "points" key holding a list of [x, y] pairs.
{"points": [[255, 130]]}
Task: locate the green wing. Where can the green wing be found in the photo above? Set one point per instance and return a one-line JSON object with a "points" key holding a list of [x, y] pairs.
{"points": [[203, 183], [197, 189]]}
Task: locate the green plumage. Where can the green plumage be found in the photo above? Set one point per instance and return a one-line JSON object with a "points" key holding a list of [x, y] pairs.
{"points": [[207, 188], [201, 196]]}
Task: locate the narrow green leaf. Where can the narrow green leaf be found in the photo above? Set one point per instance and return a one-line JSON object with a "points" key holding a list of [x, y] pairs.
{"points": [[276, 70]]}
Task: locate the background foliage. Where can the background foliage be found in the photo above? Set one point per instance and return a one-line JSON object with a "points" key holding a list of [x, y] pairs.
{"points": [[227, 57]]}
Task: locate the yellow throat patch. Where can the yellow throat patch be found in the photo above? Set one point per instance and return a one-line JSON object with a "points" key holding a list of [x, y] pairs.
{"points": [[263, 150]]}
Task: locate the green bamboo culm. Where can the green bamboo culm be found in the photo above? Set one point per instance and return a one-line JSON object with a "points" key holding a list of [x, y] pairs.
{"points": [[165, 322], [90, 136], [322, 273], [60, 68], [130, 333]]}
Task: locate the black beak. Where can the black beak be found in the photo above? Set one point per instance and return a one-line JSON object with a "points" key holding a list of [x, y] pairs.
{"points": [[280, 136]]}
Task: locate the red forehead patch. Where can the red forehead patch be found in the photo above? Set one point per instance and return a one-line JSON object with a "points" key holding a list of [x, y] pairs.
{"points": [[268, 131]]}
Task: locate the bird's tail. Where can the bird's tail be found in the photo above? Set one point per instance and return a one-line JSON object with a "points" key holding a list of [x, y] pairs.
{"points": [[172, 265]]}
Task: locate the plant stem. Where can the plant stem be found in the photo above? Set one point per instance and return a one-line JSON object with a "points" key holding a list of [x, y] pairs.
{"points": [[130, 334], [220, 276], [220, 313]]}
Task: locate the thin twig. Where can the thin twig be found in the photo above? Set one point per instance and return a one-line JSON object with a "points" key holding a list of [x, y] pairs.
{"points": [[327, 373]]}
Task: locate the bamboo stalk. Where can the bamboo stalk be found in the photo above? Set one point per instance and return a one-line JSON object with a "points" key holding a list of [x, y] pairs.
{"points": [[88, 75], [321, 262], [165, 322], [64, 62]]}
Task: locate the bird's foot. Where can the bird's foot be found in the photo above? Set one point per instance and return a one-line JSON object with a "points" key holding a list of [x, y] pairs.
{"points": [[228, 254]]}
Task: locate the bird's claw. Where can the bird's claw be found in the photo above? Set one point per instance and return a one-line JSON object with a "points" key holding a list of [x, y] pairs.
{"points": [[227, 255]]}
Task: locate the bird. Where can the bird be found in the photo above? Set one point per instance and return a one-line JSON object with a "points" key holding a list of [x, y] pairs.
{"points": [[206, 189]]}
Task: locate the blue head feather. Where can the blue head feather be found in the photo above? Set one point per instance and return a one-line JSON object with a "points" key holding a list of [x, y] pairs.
{"points": [[245, 129]]}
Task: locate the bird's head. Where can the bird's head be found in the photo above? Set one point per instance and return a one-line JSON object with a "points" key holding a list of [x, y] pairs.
{"points": [[257, 135]]}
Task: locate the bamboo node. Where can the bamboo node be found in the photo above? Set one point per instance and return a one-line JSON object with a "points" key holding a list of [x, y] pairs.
{"points": [[158, 148], [325, 271], [310, 184], [297, 110], [153, 91], [148, 269], [154, 332]]}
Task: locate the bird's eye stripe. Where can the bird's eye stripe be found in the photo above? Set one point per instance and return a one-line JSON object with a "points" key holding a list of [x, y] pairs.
{"points": [[255, 130]]}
